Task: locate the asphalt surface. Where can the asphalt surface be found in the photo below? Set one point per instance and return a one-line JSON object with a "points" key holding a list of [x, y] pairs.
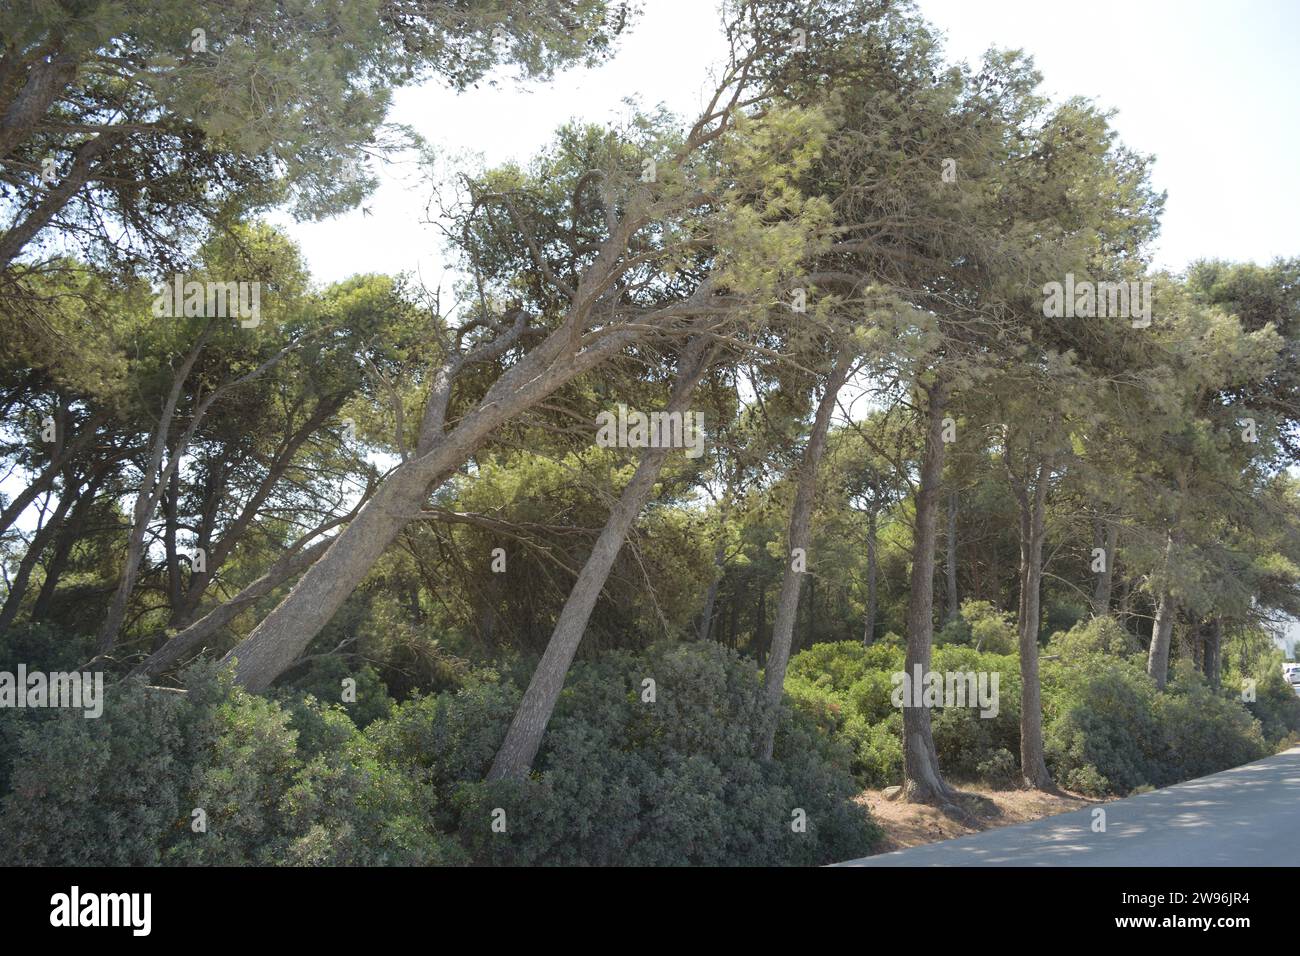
{"points": [[1247, 816]]}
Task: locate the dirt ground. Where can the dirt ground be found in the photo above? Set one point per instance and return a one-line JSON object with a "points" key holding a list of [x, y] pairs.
{"points": [[910, 824]]}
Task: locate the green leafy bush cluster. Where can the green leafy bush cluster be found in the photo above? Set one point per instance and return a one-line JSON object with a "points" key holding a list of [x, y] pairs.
{"points": [[1106, 729], [124, 789], [621, 778]]}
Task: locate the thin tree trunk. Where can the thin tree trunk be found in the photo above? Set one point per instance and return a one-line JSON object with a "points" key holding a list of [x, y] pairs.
{"points": [[146, 499], [799, 538], [922, 780], [40, 540], [524, 737], [869, 628], [1163, 629], [72, 531], [711, 597], [1033, 764], [62, 456], [950, 557]]}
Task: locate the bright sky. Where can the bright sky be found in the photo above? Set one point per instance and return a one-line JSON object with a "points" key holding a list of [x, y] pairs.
{"points": [[1207, 87]]}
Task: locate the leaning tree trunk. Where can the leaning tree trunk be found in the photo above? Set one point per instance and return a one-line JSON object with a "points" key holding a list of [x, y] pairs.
{"points": [[869, 628], [44, 535], [1033, 764], [1162, 631], [287, 631], [922, 781], [524, 737], [800, 538], [196, 635]]}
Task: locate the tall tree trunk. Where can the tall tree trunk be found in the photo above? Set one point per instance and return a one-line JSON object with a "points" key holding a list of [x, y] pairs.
{"points": [[278, 640], [922, 780], [760, 626], [171, 515], [799, 538], [524, 737], [152, 483], [1214, 652], [1108, 540], [950, 557], [711, 596], [869, 628], [1032, 502], [1163, 629]]}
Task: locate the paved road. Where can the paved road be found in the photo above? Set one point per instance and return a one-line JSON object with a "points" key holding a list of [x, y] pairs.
{"points": [[1247, 816]]}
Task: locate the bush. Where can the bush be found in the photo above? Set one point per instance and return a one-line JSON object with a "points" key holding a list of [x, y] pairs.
{"points": [[1103, 636], [122, 789], [1116, 733], [622, 781], [991, 630]]}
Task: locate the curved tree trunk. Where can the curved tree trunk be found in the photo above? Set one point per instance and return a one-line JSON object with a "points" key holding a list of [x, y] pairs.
{"points": [[285, 633], [922, 781]]}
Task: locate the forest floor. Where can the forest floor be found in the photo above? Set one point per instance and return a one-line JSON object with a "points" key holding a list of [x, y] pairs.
{"points": [[911, 824]]}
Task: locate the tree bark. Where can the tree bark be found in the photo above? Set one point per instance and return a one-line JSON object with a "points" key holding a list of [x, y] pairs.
{"points": [[922, 781], [869, 628], [40, 540], [711, 596], [1163, 629], [1109, 541], [290, 627], [523, 739], [1214, 652], [13, 241], [950, 557], [799, 537], [152, 483], [192, 638], [1032, 506]]}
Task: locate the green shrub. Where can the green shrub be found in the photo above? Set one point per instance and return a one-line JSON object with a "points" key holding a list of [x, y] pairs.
{"points": [[122, 789], [991, 630], [623, 781]]}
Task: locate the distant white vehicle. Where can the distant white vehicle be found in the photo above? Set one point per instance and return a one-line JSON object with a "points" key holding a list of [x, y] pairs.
{"points": [[1291, 671]]}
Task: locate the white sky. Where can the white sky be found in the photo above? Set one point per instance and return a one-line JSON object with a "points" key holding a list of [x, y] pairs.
{"points": [[1209, 88]]}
